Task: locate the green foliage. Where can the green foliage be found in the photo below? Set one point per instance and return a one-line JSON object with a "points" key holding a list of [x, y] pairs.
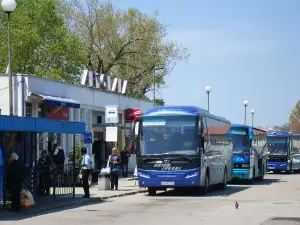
{"points": [[57, 38], [41, 42], [78, 155], [159, 102], [125, 44]]}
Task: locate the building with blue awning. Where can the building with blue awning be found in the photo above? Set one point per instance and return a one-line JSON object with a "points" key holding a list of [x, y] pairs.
{"points": [[39, 97], [20, 135]]}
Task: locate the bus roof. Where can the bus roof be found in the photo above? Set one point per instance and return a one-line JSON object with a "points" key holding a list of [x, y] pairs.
{"points": [[181, 110], [281, 133], [248, 127], [252, 130]]}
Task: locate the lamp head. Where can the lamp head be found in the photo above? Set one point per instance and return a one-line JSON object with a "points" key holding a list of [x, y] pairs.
{"points": [[8, 5], [208, 89], [246, 102]]}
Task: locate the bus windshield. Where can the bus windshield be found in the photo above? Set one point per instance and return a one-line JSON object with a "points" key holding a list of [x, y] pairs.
{"points": [[277, 145], [169, 135], [240, 140]]}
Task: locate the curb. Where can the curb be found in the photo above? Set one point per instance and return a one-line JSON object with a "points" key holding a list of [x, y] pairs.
{"points": [[122, 195], [81, 202]]}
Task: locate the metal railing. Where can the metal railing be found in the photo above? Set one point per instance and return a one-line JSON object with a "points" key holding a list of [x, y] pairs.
{"points": [[55, 180]]}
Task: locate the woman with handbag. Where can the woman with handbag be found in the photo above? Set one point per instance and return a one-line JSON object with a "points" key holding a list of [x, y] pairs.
{"points": [[114, 169]]}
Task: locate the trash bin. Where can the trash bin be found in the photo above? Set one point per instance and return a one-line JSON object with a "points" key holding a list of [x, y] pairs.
{"points": [[104, 183]]}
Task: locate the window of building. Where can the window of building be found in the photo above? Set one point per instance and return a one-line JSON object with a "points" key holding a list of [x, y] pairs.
{"points": [[28, 109]]}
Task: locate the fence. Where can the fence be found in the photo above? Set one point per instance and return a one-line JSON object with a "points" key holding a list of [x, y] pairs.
{"points": [[51, 180]]}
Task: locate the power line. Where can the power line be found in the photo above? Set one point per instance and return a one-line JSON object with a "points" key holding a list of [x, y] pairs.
{"points": [[8, 86]]}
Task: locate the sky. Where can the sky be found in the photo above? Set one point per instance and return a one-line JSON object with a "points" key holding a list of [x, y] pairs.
{"points": [[245, 50]]}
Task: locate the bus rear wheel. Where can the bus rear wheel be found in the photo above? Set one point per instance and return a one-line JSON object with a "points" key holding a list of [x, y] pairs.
{"points": [[152, 191]]}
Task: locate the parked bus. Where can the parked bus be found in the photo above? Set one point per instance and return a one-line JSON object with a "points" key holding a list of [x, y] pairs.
{"points": [[250, 152], [182, 146], [284, 151]]}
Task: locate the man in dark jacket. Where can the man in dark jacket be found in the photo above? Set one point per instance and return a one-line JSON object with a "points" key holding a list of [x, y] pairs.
{"points": [[14, 181], [44, 164], [125, 154]]}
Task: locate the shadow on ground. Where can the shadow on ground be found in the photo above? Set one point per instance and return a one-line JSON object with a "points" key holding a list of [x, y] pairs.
{"points": [[57, 205], [268, 181], [214, 192]]}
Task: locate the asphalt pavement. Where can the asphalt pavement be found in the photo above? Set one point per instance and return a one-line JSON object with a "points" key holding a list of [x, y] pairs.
{"points": [[274, 201]]}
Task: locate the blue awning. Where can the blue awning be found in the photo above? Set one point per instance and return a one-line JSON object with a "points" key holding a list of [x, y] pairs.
{"points": [[40, 125], [57, 101]]}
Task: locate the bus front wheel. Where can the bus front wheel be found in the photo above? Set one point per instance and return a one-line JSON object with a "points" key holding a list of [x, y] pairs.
{"points": [[205, 189], [289, 171], [224, 184], [252, 181], [152, 191]]}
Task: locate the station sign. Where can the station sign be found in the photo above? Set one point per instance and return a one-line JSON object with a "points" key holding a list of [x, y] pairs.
{"points": [[103, 82], [111, 114]]}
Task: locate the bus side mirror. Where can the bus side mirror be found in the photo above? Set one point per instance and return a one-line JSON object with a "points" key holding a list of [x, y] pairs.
{"points": [[202, 144]]}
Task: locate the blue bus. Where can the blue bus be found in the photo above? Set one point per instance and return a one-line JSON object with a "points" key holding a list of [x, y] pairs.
{"points": [[250, 152], [284, 151], [182, 146]]}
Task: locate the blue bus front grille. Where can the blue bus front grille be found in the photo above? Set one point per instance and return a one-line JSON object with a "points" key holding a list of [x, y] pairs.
{"points": [[280, 166], [169, 179]]}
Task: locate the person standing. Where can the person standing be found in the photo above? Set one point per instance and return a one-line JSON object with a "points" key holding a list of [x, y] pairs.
{"points": [[44, 165], [125, 154], [86, 169], [14, 181], [114, 169]]}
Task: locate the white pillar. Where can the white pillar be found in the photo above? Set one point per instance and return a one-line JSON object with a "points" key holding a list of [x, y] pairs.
{"points": [[35, 112], [123, 130]]}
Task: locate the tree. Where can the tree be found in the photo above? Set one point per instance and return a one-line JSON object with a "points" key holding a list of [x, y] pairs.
{"points": [[284, 127], [159, 102], [78, 156], [294, 120], [125, 44], [41, 42]]}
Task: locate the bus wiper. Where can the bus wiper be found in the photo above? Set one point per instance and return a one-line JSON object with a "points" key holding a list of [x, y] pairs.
{"points": [[171, 154], [182, 157]]}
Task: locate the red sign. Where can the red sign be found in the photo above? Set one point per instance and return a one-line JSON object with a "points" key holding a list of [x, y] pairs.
{"points": [[58, 113], [132, 114]]}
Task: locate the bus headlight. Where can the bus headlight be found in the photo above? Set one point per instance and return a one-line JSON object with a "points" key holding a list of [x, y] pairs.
{"points": [[143, 175], [192, 174]]}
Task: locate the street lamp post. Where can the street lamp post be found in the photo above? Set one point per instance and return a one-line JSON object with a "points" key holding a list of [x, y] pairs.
{"points": [[252, 112], [9, 6], [245, 104], [208, 90]]}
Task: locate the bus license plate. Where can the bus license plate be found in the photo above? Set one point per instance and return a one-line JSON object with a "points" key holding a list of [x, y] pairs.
{"points": [[167, 183], [271, 167]]}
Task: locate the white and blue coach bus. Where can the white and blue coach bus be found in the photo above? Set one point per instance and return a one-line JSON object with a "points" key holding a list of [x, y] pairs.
{"points": [[284, 151], [182, 146]]}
